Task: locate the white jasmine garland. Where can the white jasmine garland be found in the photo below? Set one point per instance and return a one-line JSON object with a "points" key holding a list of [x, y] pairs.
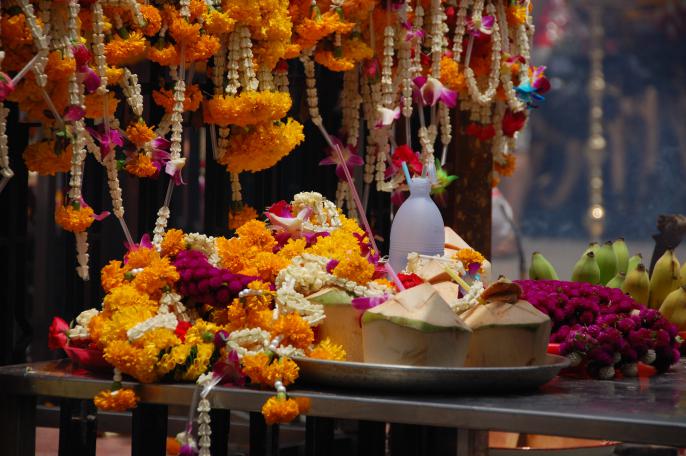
{"points": [[204, 244], [311, 87], [164, 320]]}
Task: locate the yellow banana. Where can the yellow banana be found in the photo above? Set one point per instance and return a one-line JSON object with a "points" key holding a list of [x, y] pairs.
{"points": [[664, 280], [637, 284]]}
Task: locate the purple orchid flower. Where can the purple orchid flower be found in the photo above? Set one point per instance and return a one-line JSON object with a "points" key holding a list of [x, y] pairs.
{"points": [[331, 265], [107, 140], [229, 369], [173, 167], [72, 113], [96, 216], [480, 27], [160, 154], [388, 116], [350, 158], [412, 33], [366, 303], [90, 79], [290, 225], [145, 243], [430, 91]]}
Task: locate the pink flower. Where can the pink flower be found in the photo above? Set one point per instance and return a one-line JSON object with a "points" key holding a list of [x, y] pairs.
{"points": [[6, 86], [388, 116], [350, 158], [480, 27], [280, 208], [91, 80], [107, 140], [73, 113], [368, 302], [160, 156], [173, 167], [81, 54], [412, 33], [432, 91], [57, 334], [96, 216], [291, 225]]}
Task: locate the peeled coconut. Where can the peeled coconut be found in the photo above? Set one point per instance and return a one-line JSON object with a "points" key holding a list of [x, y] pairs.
{"points": [[449, 292], [507, 331], [342, 322], [416, 327]]}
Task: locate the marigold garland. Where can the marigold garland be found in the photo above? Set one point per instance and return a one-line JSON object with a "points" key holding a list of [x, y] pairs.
{"points": [[126, 51], [119, 400], [328, 350], [280, 410], [73, 217], [41, 157], [247, 108], [238, 218], [165, 98], [140, 165], [139, 133]]}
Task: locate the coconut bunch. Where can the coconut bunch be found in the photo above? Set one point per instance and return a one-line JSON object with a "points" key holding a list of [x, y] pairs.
{"points": [[602, 329], [610, 265]]}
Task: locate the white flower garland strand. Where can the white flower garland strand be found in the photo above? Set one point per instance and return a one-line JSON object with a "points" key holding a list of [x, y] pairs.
{"points": [[6, 172], [132, 91]]}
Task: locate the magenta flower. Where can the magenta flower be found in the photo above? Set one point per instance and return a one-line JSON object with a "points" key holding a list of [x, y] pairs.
{"points": [[229, 368], [81, 54], [388, 116], [96, 216], [90, 79], [368, 302], [107, 140], [430, 91], [144, 243], [412, 33], [331, 265], [480, 27], [72, 113], [6, 86], [173, 167], [289, 224], [350, 158], [160, 154]]}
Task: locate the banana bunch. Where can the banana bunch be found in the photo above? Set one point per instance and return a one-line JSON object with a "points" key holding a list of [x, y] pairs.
{"points": [[609, 264]]}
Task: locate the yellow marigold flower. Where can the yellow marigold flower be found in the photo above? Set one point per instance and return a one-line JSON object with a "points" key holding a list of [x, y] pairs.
{"points": [[175, 357], [165, 56], [256, 234], [201, 332], [42, 158], [262, 146], [114, 75], [124, 296], [355, 268], [327, 59], [218, 23], [172, 242], [202, 49], [310, 31], [293, 248], [451, 76], [184, 32], [357, 50], [294, 330], [74, 219], [247, 108], [279, 410], [165, 98], [160, 273], [125, 51], [241, 216], [140, 257], [153, 19], [140, 165], [349, 225], [112, 275], [134, 361], [508, 167], [469, 257], [516, 14], [139, 133], [254, 366], [339, 245], [120, 400], [159, 338], [328, 350], [200, 364], [284, 369], [95, 105]]}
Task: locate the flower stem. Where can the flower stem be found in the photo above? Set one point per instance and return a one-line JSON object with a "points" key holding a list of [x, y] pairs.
{"points": [[19, 76]]}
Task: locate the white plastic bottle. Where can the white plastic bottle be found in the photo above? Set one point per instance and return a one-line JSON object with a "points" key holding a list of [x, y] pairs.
{"points": [[417, 226]]}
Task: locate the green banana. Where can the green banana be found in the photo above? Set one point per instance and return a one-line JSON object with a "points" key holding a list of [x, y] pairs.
{"points": [[607, 262], [682, 275], [617, 281], [633, 262], [592, 247], [673, 308], [664, 280], [637, 284], [586, 269], [622, 254], [541, 269]]}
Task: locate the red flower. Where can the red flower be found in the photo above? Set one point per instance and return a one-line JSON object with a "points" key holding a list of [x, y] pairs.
{"points": [[181, 329], [513, 122], [57, 334], [405, 154], [481, 132], [410, 280], [281, 208]]}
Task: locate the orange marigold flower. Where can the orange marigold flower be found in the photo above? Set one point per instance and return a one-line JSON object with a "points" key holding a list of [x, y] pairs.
{"points": [[74, 218], [516, 14], [293, 248], [160, 273], [279, 410], [184, 32], [218, 23], [140, 165], [112, 275], [202, 49], [172, 243], [506, 168], [139, 133], [125, 51], [451, 76], [327, 59], [114, 75], [241, 216], [256, 234], [165, 98], [292, 51], [15, 31], [153, 19], [247, 108], [139, 362], [197, 9], [165, 56], [140, 257], [356, 268], [357, 50], [119, 400], [42, 158], [328, 350], [283, 369], [310, 31], [254, 366], [469, 257], [59, 67], [95, 105], [294, 330], [262, 146]]}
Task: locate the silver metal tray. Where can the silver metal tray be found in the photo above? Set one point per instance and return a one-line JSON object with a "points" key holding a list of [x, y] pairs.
{"points": [[389, 377]]}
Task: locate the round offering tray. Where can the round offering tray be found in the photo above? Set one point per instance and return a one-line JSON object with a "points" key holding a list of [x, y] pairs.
{"points": [[389, 377]]}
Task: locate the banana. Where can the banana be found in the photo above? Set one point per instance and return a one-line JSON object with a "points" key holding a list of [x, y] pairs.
{"points": [[637, 284], [586, 269], [673, 308], [682, 280], [633, 262], [607, 262], [622, 254], [617, 281], [592, 247], [541, 269], [664, 280]]}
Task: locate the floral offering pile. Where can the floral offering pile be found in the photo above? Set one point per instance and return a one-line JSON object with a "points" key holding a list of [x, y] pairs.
{"points": [[603, 331], [230, 310]]}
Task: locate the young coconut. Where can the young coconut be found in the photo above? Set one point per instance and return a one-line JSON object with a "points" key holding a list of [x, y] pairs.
{"points": [[342, 322], [507, 331], [416, 327]]}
